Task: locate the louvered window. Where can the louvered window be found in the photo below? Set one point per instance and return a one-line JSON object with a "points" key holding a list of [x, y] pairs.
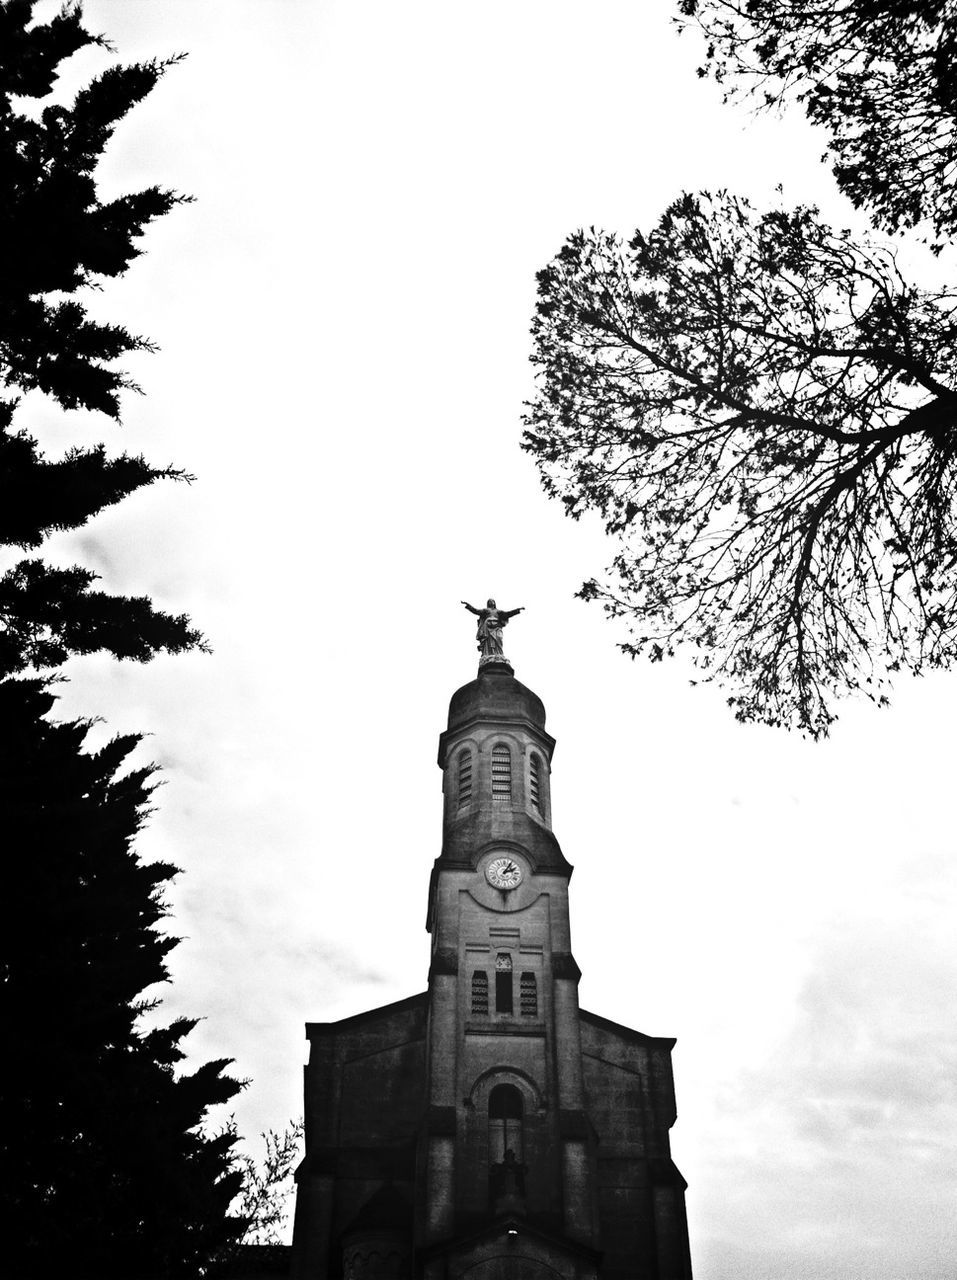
{"points": [[503, 983], [479, 991], [465, 778], [528, 995], [501, 774], [535, 782]]}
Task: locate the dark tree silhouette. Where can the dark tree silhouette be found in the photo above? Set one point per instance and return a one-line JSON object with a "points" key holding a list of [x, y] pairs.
{"points": [[879, 75], [58, 240], [267, 1185], [107, 1171], [765, 416]]}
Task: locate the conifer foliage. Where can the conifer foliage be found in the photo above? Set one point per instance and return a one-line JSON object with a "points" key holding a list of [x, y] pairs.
{"points": [[57, 240], [106, 1169]]}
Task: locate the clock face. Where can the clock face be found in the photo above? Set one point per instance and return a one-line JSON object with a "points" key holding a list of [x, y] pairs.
{"points": [[504, 873]]}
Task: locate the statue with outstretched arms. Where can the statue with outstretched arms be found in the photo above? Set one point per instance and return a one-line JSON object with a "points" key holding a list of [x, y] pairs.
{"points": [[488, 632]]}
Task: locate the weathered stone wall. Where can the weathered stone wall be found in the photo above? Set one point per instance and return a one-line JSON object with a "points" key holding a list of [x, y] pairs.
{"points": [[365, 1098], [630, 1101]]}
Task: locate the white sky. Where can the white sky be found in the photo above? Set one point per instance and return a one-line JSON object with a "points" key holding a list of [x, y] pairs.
{"points": [[343, 316]]}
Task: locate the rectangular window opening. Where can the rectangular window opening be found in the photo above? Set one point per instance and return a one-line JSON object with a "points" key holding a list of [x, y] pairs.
{"points": [[503, 992], [503, 982]]}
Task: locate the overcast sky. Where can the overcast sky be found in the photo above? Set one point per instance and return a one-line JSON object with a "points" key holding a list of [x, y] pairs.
{"points": [[343, 321]]}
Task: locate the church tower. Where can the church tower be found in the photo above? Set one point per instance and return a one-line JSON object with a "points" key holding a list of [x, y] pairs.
{"points": [[490, 1128]]}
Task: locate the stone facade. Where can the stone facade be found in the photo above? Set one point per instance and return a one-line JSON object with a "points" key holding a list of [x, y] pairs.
{"points": [[489, 1128]]}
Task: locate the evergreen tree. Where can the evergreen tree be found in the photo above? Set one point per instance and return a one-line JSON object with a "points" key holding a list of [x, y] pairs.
{"points": [[106, 1169], [57, 239]]}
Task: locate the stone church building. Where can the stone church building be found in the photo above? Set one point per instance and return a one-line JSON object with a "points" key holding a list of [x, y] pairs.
{"points": [[489, 1128]]}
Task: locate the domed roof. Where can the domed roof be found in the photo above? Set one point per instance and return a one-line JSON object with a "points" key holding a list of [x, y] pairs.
{"points": [[495, 694]]}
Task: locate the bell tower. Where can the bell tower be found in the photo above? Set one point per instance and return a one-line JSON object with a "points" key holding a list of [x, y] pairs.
{"points": [[503, 988], [490, 1127]]}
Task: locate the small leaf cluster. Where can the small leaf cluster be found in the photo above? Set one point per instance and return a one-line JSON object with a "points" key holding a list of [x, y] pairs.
{"points": [[264, 1199]]}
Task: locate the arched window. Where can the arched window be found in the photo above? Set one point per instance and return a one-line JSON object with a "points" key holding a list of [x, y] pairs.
{"points": [[528, 995], [479, 991], [503, 983], [501, 773], [504, 1123], [465, 777], [535, 781]]}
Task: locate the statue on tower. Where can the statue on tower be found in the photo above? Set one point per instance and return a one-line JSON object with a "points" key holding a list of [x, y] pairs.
{"points": [[488, 632]]}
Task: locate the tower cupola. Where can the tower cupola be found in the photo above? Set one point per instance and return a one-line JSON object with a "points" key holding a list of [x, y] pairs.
{"points": [[496, 759]]}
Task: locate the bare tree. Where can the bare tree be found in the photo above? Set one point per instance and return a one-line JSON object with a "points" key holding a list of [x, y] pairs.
{"points": [[765, 416], [267, 1186]]}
